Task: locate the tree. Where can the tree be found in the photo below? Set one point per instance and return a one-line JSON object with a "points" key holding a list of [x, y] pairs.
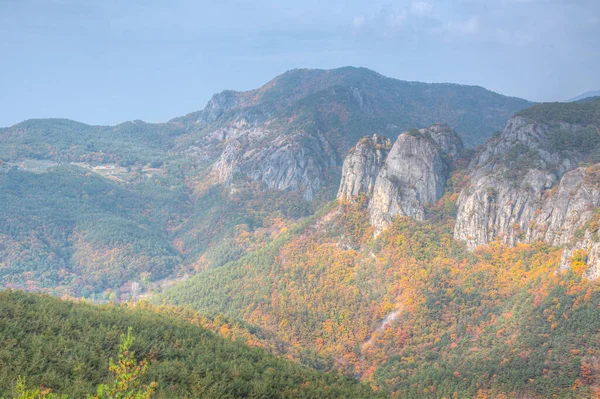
{"points": [[21, 392], [127, 375]]}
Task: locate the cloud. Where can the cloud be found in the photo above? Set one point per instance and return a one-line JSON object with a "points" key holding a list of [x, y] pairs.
{"points": [[421, 8], [394, 19], [358, 23], [465, 27]]}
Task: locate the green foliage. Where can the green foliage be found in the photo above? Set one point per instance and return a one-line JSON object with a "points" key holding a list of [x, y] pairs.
{"points": [[67, 227], [585, 141], [583, 114], [127, 375], [21, 392], [65, 346]]}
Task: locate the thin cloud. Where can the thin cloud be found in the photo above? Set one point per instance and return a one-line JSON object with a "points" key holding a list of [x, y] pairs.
{"points": [[421, 8], [467, 27]]}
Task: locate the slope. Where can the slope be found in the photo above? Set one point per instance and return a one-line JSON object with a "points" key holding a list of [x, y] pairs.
{"points": [[415, 311], [69, 231], [65, 346]]}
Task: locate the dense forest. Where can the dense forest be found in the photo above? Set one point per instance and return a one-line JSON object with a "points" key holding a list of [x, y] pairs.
{"points": [[72, 232], [65, 346]]}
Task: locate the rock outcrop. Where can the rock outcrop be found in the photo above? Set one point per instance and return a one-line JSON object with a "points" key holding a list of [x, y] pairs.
{"points": [[362, 165], [295, 162], [411, 176], [523, 188]]}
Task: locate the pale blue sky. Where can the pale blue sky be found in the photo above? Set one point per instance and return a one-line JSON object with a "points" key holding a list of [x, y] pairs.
{"points": [[107, 61]]}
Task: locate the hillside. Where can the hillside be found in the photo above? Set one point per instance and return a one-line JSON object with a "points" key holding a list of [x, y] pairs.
{"points": [[65, 347], [408, 305], [69, 231], [412, 311]]}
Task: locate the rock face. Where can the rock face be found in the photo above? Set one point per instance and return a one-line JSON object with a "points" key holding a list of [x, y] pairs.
{"points": [[362, 165], [411, 176], [523, 189], [296, 162], [250, 145]]}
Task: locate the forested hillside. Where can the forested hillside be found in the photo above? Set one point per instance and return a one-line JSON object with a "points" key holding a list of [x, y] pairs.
{"points": [[73, 232], [413, 311], [64, 347]]}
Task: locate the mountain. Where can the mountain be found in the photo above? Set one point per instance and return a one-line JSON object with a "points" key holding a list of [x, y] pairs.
{"points": [[303, 122], [537, 180], [488, 291], [65, 346], [88, 210], [585, 96], [436, 271]]}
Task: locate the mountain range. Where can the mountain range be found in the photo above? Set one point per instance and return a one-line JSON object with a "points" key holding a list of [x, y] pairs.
{"points": [[432, 240]]}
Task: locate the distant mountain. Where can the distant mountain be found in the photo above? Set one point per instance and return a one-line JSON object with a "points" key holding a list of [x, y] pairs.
{"points": [[588, 99], [294, 132], [585, 96]]}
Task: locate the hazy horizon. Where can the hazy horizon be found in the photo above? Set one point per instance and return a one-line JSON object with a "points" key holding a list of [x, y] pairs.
{"points": [[104, 62]]}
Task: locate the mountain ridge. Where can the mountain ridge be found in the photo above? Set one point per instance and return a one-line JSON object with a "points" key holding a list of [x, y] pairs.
{"points": [[584, 96]]}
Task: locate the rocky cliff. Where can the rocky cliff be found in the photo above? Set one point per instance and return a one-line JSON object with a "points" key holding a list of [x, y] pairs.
{"points": [[414, 174], [295, 162], [526, 185], [362, 165], [404, 180]]}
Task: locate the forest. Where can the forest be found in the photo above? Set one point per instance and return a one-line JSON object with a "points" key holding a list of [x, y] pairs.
{"points": [[64, 347], [412, 311]]}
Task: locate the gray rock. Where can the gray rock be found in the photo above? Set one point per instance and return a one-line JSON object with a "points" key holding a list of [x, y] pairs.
{"points": [[414, 175], [401, 180], [522, 191], [446, 138], [218, 105], [362, 165], [296, 162]]}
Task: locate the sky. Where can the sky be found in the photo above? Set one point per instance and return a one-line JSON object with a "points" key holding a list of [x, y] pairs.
{"points": [[108, 61]]}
